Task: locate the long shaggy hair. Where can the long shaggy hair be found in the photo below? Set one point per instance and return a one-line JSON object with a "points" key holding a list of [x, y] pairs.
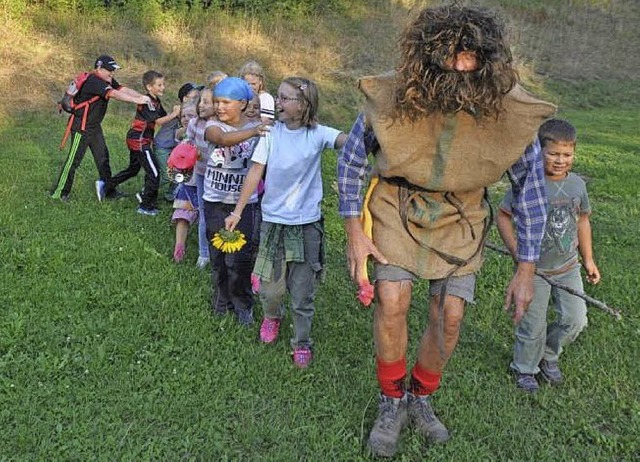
{"points": [[425, 86]]}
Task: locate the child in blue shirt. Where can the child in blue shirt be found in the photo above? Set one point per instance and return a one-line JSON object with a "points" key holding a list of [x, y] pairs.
{"points": [[290, 257]]}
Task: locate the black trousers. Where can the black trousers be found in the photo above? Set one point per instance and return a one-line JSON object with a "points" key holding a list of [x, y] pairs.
{"points": [[94, 140], [147, 160], [231, 272]]}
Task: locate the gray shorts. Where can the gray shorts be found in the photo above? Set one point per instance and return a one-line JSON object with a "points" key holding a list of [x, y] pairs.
{"points": [[460, 286]]}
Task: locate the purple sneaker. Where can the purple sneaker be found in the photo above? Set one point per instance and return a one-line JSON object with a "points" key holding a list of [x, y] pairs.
{"points": [[550, 371], [526, 382], [302, 357], [269, 330]]}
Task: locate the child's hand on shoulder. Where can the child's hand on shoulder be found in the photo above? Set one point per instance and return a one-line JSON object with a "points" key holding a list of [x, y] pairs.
{"points": [[176, 111]]}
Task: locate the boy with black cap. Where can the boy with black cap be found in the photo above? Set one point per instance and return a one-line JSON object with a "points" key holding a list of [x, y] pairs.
{"points": [[86, 129]]}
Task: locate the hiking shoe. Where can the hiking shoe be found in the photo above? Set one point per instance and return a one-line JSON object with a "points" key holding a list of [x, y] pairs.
{"points": [[178, 253], [424, 419], [100, 190], [392, 417], [245, 317], [269, 330], [149, 212], [526, 382], [301, 357], [202, 262], [550, 371]]}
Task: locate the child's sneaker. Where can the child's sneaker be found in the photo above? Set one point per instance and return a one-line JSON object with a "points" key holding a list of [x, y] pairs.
{"points": [[526, 382], [302, 357], [149, 212], [202, 262], [244, 317], [178, 253], [100, 190], [269, 330], [550, 371]]}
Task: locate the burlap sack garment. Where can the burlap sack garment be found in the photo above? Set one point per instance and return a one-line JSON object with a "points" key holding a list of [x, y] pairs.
{"points": [[437, 227]]}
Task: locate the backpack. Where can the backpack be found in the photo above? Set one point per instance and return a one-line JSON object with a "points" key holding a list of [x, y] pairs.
{"points": [[68, 104]]}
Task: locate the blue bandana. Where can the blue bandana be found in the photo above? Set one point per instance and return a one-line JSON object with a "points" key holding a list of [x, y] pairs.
{"points": [[233, 88]]}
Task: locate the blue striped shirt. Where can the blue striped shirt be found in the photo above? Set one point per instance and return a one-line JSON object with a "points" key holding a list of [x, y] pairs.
{"points": [[526, 176]]}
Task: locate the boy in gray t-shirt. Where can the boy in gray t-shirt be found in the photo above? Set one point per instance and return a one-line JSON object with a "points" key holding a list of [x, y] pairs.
{"points": [[567, 237]]}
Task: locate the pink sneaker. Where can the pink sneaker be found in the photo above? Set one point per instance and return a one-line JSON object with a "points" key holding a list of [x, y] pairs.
{"points": [[178, 253], [302, 357], [269, 330]]}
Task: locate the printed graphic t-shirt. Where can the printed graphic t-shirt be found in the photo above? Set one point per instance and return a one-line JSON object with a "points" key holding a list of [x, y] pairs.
{"points": [[568, 200], [227, 168]]}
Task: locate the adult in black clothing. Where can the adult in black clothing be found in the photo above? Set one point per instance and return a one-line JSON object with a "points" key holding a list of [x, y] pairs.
{"points": [[86, 131]]}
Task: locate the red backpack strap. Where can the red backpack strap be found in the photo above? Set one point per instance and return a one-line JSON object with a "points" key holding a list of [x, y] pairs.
{"points": [[85, 107]]}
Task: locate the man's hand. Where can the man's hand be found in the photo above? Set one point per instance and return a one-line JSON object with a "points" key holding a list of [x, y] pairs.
{"points": [[520, 291], [359, 247]]}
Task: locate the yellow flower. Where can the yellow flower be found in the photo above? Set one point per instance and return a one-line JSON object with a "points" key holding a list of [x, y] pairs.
{"points": [[228, 241]]}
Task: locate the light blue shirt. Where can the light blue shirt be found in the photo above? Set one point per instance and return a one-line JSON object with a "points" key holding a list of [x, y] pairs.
{"points": [[293, 184]]}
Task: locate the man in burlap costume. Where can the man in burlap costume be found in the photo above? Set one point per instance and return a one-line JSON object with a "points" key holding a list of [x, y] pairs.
{"points": [[445, 125]]}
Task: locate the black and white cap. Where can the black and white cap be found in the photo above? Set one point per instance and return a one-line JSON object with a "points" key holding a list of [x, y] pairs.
{"points": [[106, 62]]}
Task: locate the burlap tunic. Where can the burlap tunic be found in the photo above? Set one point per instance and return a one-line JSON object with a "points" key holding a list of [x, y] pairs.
{"points": [[436, 227]]}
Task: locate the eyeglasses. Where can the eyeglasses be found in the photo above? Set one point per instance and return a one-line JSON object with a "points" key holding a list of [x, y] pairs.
{"points": [[286, 99]]}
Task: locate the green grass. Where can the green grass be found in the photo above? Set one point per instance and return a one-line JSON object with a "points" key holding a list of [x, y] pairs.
{"points": [[108, 350]]}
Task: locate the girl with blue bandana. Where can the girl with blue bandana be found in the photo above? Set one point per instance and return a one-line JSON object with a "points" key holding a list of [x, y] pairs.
{"points": [[290, 257], [234, 137]]}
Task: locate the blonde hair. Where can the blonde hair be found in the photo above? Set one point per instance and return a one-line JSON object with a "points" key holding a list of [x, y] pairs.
{"points": [[215, 77], [253, 68]]}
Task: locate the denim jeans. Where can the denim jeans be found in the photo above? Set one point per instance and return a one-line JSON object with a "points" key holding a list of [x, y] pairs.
{"points": [[301, 280], [535, 340], [203, 244]]}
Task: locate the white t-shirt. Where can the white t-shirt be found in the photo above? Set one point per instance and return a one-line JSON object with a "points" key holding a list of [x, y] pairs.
{"points": [[293, 185], [267, 105], [227, 167]]}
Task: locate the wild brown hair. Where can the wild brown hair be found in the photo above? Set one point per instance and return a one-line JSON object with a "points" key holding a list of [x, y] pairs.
{"points": [[427, 85]]}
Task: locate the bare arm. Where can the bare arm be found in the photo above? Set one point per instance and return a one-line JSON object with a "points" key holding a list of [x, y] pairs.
{"points": [[359, 247], [175, 113], [508, 235], [129, 91], [248, 187], [219, 137], [586, 250], [340, 140], [128, 97]]}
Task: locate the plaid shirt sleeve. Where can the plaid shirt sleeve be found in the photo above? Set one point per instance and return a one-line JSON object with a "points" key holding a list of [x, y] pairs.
{"points": [[529, 202], [353, 167]]}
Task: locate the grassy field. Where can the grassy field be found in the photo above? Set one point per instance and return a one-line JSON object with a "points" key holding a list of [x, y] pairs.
{"points": [[108, 350]]}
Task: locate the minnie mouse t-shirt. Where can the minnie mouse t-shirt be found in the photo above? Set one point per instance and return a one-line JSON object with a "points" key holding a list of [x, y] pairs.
{"points": [[227, 168]]}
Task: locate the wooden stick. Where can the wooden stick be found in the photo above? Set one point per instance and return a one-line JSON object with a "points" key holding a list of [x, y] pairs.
{"points": [[597, 303]]}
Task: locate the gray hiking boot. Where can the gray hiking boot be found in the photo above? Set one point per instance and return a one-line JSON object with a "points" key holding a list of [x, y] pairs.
{"points": [[392, 417], [423, 418], [550, 371]]}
